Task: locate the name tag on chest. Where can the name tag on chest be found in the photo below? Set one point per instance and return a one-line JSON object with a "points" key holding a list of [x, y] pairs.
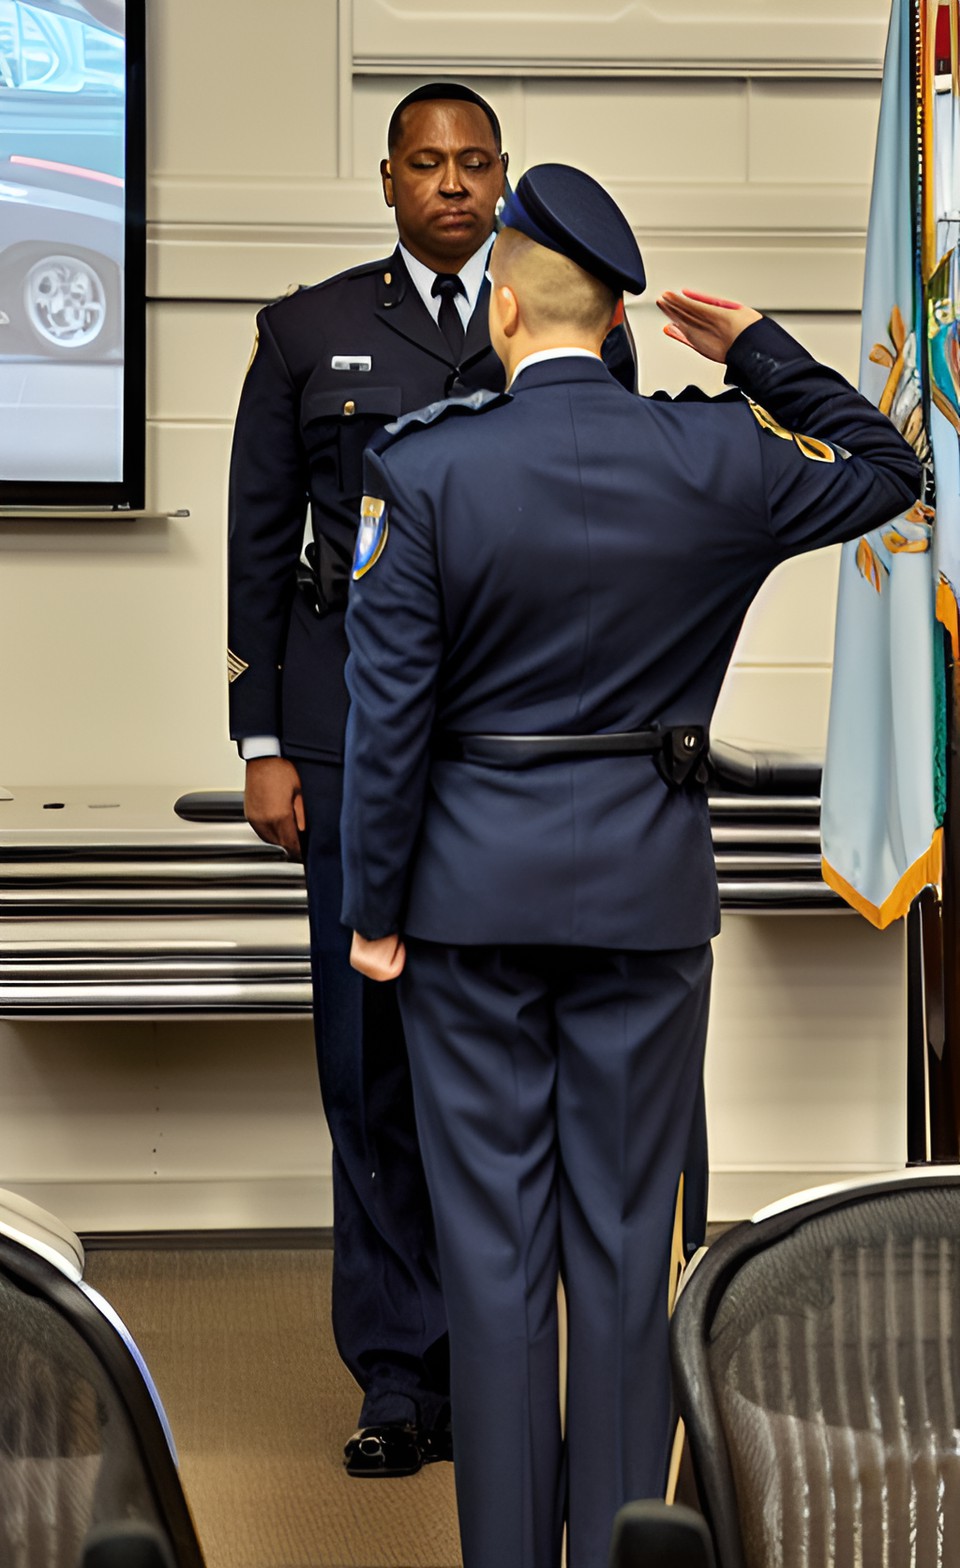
{"points": [[351, 362]]}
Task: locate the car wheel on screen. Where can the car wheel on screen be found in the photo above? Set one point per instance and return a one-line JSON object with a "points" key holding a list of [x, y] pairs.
{"points": [[69, 305]]}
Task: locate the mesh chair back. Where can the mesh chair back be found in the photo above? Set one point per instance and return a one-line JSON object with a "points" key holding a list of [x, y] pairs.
{"points": [[81, 1442], [824, 1347]]}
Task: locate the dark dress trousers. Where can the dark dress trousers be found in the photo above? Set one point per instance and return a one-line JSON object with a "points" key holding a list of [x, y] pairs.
{"points": [[331, 366], [568, 559]]}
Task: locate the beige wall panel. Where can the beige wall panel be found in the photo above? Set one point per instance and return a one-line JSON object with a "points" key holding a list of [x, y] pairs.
{"points": [[238, 1102], [772, 273], [802, 130], [122, 629], [664, 364], [197, 355], [244, 1203], [650, 131], [826, 35], [254, 264], [266, 200], [791, 620], [374, 99], [835, 339], [137, 1125], [806, 270], [238, 91], [780, 705], [805, 1059]]}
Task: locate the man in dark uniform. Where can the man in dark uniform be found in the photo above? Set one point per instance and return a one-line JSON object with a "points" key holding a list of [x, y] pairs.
{"points": [[332, 364], [547, 591]]}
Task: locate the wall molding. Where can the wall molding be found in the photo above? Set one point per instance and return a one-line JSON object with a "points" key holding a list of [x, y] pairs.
{"points": [[826, 37], [622, 69], [737, 1192], [228, 1203], [813, 271]]}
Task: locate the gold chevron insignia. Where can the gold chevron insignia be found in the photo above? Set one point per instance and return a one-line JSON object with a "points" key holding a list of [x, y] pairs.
{"points": [[816, 451], [235, 666]]}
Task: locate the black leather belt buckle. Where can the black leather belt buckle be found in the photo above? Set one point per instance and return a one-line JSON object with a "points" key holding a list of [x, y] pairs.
{"points": [[681, 755]]}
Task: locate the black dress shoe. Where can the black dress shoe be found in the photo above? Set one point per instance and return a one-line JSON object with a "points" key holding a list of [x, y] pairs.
{"points": [[436, 1444], [392, 1449]]}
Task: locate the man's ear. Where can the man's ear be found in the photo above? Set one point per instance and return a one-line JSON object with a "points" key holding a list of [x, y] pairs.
{"points": [[508, 310], [386, 179]]}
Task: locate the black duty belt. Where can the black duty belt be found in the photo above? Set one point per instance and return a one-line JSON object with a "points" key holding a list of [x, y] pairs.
{"points": [[678, 752]]}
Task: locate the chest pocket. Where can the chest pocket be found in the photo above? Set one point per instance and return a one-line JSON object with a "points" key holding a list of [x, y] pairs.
{"points": [[336, 426]]}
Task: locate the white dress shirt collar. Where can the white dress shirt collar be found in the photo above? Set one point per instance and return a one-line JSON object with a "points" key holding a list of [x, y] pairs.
{"points": [[471, 276], [543, 354]]}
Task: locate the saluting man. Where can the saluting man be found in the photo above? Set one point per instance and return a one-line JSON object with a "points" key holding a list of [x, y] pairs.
{"points": [[548, 588]]}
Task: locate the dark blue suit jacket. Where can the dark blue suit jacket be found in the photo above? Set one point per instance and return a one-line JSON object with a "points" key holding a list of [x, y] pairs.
{"points": [[300, 434], [574, 559]]}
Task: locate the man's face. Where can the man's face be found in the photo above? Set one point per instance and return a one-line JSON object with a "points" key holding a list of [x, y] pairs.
{"points": [[444, 179]]}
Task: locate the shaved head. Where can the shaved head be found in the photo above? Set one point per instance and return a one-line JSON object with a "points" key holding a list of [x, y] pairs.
{"points": [[552, 291]]}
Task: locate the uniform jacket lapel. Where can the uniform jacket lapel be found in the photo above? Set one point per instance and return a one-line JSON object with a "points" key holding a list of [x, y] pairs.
{"points": [[400, 308]]}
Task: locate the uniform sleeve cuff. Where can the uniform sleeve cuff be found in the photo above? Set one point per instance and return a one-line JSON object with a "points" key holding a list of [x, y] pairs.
{"points": [[759, 351], [254, 746]]}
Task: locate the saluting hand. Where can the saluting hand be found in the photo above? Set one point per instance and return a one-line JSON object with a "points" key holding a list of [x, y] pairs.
{"points": [[705, 323], [273, 804], [381, 959]]}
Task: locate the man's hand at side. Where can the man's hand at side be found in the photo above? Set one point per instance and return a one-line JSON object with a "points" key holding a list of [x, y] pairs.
{"points": [[273, 804], [705, 323], [382, 959]]}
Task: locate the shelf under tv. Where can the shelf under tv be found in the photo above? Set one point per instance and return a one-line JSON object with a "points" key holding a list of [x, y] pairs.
{"points": [[86, 514]]}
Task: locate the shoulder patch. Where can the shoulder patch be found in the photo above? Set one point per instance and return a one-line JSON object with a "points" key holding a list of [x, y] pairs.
{"points": [[371, 535], [434, 414], [816, 451]]}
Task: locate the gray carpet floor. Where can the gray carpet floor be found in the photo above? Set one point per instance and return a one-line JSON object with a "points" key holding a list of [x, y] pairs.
{"points": [[239, 1345]]}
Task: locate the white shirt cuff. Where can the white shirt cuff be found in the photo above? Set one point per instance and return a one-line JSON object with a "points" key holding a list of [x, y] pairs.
{"points": [[253, 746]]}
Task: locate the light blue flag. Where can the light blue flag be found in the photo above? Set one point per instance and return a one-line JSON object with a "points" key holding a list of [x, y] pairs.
{"points": [[883, 778]]}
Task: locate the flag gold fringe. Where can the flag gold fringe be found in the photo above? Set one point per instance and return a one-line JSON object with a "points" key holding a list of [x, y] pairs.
{"points": [[924, 872], [947, 614]]}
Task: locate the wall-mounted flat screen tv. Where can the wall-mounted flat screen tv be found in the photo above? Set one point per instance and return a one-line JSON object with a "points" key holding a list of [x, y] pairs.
{"points": [[72, 247]]}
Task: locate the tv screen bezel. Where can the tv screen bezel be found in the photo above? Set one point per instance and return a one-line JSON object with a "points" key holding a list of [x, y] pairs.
{"points": [[126, 493]]}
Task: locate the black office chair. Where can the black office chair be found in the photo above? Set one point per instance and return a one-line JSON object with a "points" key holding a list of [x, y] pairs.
{"points": [[87, 1470], [648, 1534], [816, 1356]]}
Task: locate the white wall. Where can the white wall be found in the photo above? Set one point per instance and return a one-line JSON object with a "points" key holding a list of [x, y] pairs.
{"points": [[741, 148]]}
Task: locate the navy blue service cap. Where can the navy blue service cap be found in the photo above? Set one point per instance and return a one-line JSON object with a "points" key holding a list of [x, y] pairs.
{"points": [[567, 211]]}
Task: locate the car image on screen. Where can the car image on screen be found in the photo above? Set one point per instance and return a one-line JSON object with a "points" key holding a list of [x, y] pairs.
{"points": [[70, 418], [61, 253]]}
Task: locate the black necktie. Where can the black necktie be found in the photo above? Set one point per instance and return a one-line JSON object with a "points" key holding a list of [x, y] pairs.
{"points": [[448, 286]]}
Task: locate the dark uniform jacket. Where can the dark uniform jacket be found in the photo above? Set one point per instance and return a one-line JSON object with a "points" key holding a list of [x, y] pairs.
{"points": [[571, 559], [306, 413]]}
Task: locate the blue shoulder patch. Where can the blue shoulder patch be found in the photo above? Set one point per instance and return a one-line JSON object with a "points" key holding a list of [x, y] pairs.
{"points": [[371, 536], [433, 414]]}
